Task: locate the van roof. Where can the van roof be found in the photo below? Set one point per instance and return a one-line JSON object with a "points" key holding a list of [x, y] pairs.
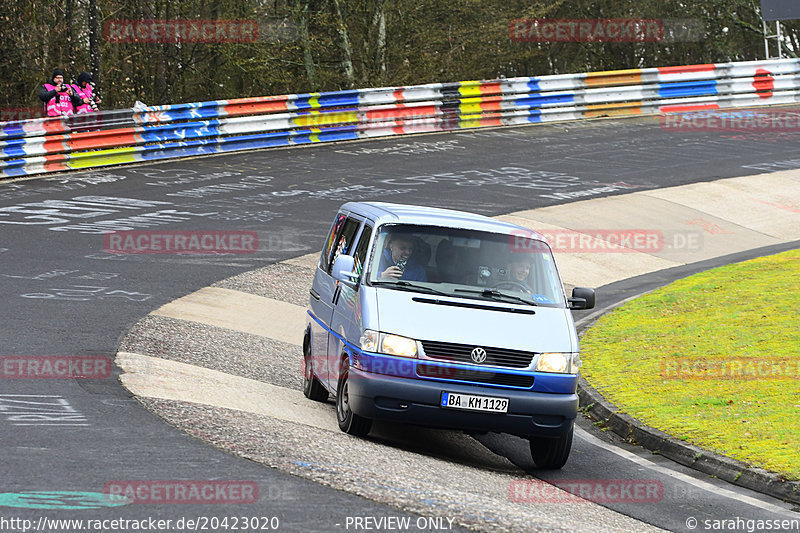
{"points": [[383, 212]]}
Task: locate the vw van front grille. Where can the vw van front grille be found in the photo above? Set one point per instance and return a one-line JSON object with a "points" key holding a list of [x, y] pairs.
{"points": [[461, 353], [475, 376]]}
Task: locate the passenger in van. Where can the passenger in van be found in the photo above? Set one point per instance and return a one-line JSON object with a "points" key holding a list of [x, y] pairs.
{"points": [[398, 261], [447, 263], [519, 270], [422, 253]]}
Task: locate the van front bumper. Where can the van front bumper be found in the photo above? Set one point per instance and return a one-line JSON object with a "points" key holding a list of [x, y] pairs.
{"points": [[417, 401]]}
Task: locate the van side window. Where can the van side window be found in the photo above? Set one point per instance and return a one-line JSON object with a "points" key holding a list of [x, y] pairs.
{"points": [[361, 250], [344, 241], [336, 229]]}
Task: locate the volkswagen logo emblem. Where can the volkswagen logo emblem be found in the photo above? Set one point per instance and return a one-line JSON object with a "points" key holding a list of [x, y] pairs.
{"points": [[478, 355]]}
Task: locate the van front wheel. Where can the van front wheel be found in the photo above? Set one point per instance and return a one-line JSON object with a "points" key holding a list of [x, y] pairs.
{"points": [[349, 422], [551, 453]]}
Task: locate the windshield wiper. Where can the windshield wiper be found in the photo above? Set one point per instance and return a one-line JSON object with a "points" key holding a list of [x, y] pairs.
{"points": [[404, 285], [494, 294]]}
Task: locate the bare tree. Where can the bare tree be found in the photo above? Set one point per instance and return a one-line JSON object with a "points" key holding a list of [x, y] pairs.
{"points": [[308, 59], [68, 16], [94, 48], [379, 23], [347, 50]]}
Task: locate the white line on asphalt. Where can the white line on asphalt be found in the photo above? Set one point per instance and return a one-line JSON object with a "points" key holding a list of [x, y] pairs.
{"points": [[700, 484], [44, 424], [31, 395]]}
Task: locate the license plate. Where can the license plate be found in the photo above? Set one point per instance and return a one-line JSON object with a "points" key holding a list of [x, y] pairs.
{"points": [[469, 402]]}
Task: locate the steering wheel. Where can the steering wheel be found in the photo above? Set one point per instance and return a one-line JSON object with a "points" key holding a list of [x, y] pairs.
{"points": [[512, 285]]}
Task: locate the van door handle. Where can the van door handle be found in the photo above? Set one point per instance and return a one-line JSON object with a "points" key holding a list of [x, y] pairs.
{"points": [[314, 294]]}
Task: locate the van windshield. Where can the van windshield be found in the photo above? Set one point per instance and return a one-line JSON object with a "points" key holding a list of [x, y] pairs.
{"points": [[466, 263]]}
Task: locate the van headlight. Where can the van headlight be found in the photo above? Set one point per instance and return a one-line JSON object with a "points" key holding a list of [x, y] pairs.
{"points": [[388, 343], [397, 345], [558, 362], [369, 341]]}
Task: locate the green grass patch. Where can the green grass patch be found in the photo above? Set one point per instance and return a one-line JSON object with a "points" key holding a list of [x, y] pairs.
{"points": [[712, 359]]}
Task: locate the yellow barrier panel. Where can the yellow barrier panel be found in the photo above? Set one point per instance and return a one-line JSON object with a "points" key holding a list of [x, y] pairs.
{"points": [[470, 88], [102, 157]]}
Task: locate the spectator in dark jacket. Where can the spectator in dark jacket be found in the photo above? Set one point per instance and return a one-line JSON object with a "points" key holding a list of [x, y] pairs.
{"points": [[58, 97]]}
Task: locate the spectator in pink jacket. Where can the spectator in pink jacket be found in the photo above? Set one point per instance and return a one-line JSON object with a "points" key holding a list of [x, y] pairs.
{"points": [[84, 89]]}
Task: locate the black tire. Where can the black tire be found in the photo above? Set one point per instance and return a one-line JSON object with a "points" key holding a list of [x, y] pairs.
{"points": [[349, 422], [551, 453], [312, 388]]}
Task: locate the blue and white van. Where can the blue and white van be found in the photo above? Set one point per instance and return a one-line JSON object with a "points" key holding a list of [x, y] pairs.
{"points": [[444, 319]]}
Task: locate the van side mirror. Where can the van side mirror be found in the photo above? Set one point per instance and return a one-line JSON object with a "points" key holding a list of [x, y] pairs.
{"points": [[582, 298], [343, 270]]}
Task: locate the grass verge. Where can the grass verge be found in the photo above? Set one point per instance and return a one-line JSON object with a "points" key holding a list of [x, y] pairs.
{"points": [[712, 359]]}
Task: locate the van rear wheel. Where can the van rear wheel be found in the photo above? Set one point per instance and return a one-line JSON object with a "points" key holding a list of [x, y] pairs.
{"points": [[349, 422], [551, 453], [312, 388]]}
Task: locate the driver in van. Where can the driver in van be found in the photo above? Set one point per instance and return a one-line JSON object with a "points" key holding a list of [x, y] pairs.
{"points": [[397, 261]]}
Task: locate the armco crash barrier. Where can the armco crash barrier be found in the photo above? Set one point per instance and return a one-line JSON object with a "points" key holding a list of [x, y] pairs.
{"points": [[151, 133]]}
